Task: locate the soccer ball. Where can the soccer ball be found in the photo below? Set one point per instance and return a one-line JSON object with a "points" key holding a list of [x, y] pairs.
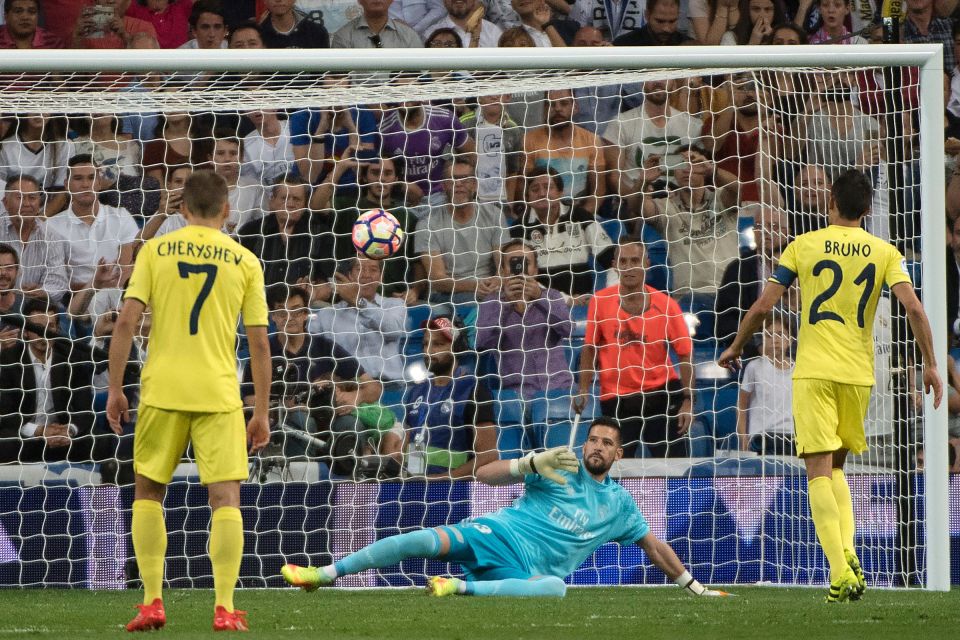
{"points": [[377, 234]]}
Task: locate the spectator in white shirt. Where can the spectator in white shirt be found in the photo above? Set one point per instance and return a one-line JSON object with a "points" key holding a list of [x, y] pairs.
{"points": [[363, 323], [765, 405], [267, 152], [207, 25], [244, 193], [100, 238], [535, 16], [466, 18]]}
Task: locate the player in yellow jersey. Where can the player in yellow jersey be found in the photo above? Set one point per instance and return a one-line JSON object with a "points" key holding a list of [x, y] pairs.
{"points": [[841, 270], [196, 282]]}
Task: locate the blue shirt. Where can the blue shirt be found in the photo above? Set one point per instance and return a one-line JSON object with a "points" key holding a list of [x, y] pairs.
{"points": [[553, 528], [305, 121]]}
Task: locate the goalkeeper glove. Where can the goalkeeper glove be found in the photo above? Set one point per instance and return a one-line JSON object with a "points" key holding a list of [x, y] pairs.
{"points": [[546, 463], [690, 584]]}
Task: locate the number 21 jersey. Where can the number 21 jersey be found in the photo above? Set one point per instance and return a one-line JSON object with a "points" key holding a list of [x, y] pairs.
{"points": [[841, 272], [196, 281]]}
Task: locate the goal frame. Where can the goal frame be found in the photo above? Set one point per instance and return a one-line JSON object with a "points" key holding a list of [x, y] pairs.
{"points": [[927, 57]]}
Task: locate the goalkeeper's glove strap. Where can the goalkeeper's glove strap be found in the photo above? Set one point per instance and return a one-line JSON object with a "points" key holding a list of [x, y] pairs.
{"points": [[688, 582], [523, 466]]}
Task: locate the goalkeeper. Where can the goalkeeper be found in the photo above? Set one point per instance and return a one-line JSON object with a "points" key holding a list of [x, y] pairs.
{"points": [[566, 512]]}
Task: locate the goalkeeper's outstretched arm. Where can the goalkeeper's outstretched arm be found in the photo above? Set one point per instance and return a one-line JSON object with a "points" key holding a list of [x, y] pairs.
{"points": [[665, 558], [546, 463]]}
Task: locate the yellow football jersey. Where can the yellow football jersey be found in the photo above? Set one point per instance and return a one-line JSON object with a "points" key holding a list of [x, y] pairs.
{"points": [[841, 271], [196, 281]]}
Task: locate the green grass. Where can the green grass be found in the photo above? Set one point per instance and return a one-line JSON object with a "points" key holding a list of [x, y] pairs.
{"points": [[594, 614]]}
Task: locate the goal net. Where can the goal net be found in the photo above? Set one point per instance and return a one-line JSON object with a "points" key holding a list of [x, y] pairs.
{"points": [[513, 179]]}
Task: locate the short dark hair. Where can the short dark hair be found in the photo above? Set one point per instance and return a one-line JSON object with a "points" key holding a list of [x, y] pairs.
{"points": [[652, 4], [23, 177], [537, 172], [609, 423], [37, 305], [6, 249], [278, 294], [205, 6], [852, 192], [205, 193], [81, 158], [290, 180], [442, 31], [797, 31], [8, 5], [246, 25]]}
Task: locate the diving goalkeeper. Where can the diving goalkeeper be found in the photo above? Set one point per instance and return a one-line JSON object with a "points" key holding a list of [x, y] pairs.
{"points": [[566, 512]]}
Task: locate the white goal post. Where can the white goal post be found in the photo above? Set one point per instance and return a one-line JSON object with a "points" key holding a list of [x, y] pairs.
{"points": [[573, 67]]}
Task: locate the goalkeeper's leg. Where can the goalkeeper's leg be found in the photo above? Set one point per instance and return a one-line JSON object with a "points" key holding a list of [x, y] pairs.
{"points": [[425, 543], [540, 586]]}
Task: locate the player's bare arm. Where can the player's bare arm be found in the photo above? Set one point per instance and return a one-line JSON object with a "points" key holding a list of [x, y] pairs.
{"points": [[118, 409], [665, 558], [258, 428], [920, 326], [751, 323]]}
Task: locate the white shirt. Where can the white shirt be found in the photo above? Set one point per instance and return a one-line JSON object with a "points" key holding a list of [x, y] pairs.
{"points": [[489, 32], [372, 333], [193, 44], [86, 244], [635, 132], [246, 202], [263, 162], [48, 165], [771, 407], [879, 420], [104, 301], [41, 372], [540, 38]]}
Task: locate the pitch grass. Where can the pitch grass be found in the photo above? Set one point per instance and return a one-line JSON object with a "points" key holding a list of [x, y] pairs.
{"points": [[591, 614]]}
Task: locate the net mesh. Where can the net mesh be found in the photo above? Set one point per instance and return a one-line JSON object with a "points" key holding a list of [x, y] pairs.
{"points": [[713, 170]]}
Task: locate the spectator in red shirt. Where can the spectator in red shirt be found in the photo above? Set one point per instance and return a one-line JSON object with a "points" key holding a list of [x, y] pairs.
{"points": [[22, 31], [170, 18], [631, 329]]}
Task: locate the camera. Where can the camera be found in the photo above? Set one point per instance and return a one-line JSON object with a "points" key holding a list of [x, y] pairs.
{"points": [[518, 266]]}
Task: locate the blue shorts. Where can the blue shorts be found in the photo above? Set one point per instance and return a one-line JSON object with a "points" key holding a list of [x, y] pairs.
{"points": [[483, 550]]}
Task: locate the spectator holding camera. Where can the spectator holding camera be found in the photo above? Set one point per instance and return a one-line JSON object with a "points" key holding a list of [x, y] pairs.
{"points": [[450, 419], [698, 218], [570, 245], [168, 217], [524, 326], [103, 25], [631, 331]]}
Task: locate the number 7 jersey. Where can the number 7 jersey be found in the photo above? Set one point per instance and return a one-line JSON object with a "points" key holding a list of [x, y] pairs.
{"points": [[196, 282], [841, 271]]}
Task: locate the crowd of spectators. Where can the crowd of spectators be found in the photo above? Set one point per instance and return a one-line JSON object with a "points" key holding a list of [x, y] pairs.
{"points": [[527, 217]]}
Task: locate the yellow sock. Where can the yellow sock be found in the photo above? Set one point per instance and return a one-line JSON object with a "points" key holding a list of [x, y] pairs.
{"points": [[826, 519], [841, 493], [149, 534], [226, 551]]}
